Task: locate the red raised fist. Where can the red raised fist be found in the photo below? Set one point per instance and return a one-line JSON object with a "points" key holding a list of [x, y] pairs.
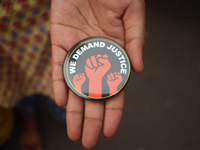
{"points": [[78, 80], [113, 80], [96, 67]]}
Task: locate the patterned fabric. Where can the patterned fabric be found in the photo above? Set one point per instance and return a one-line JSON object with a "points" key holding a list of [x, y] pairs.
{"points": [[25, 53]]}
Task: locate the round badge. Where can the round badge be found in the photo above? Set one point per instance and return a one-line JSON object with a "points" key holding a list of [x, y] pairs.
{"points": [[96, 68]]}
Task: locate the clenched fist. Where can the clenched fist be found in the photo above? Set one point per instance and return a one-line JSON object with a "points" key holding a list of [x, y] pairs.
{"points": [[78, 80], [96, 67], [113, 80]]}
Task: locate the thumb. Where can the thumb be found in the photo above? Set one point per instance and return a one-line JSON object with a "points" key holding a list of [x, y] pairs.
{"points": [[82, 76], [118, 76], [104, 61], [134, 24]]}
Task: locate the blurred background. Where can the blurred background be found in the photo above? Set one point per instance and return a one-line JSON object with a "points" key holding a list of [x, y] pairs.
{"points": [[162, 107]]}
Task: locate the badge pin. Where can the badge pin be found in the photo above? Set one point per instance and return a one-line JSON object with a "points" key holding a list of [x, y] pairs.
{"points": [[96, 68]]}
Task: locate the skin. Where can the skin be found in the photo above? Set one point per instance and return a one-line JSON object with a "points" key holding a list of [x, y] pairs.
{"points": [[73, 20]]}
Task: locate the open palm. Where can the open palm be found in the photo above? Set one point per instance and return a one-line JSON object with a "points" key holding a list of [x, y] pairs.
{"points": [[74, 20]]}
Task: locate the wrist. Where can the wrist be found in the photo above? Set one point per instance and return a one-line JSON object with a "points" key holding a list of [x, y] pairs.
{"points": [[95, 88], [113, 90], [78, 88]]}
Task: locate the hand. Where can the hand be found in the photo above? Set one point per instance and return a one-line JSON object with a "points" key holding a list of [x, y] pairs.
{"points": [[96, 68], [113, 81], [74, 20], [78, 80]]}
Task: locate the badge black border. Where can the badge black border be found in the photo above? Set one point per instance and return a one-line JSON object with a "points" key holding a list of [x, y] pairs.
{"points": [[66, 61]]}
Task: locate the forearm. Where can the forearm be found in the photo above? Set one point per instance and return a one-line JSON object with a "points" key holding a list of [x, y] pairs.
{"points": [[95, 88], [113, 90]]}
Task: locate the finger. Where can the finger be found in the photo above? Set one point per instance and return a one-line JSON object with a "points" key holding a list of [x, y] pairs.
{"points": [[74, 116], [94, 62], [109, 78], [94, 113], [58, 82], [112, 76], [82, 77], [113, 114], [77, 76], [134, 24], [100, 64], [88, 63], [118, 76], [104, 61], [115, 72], [98, 56], [105, 56]]}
